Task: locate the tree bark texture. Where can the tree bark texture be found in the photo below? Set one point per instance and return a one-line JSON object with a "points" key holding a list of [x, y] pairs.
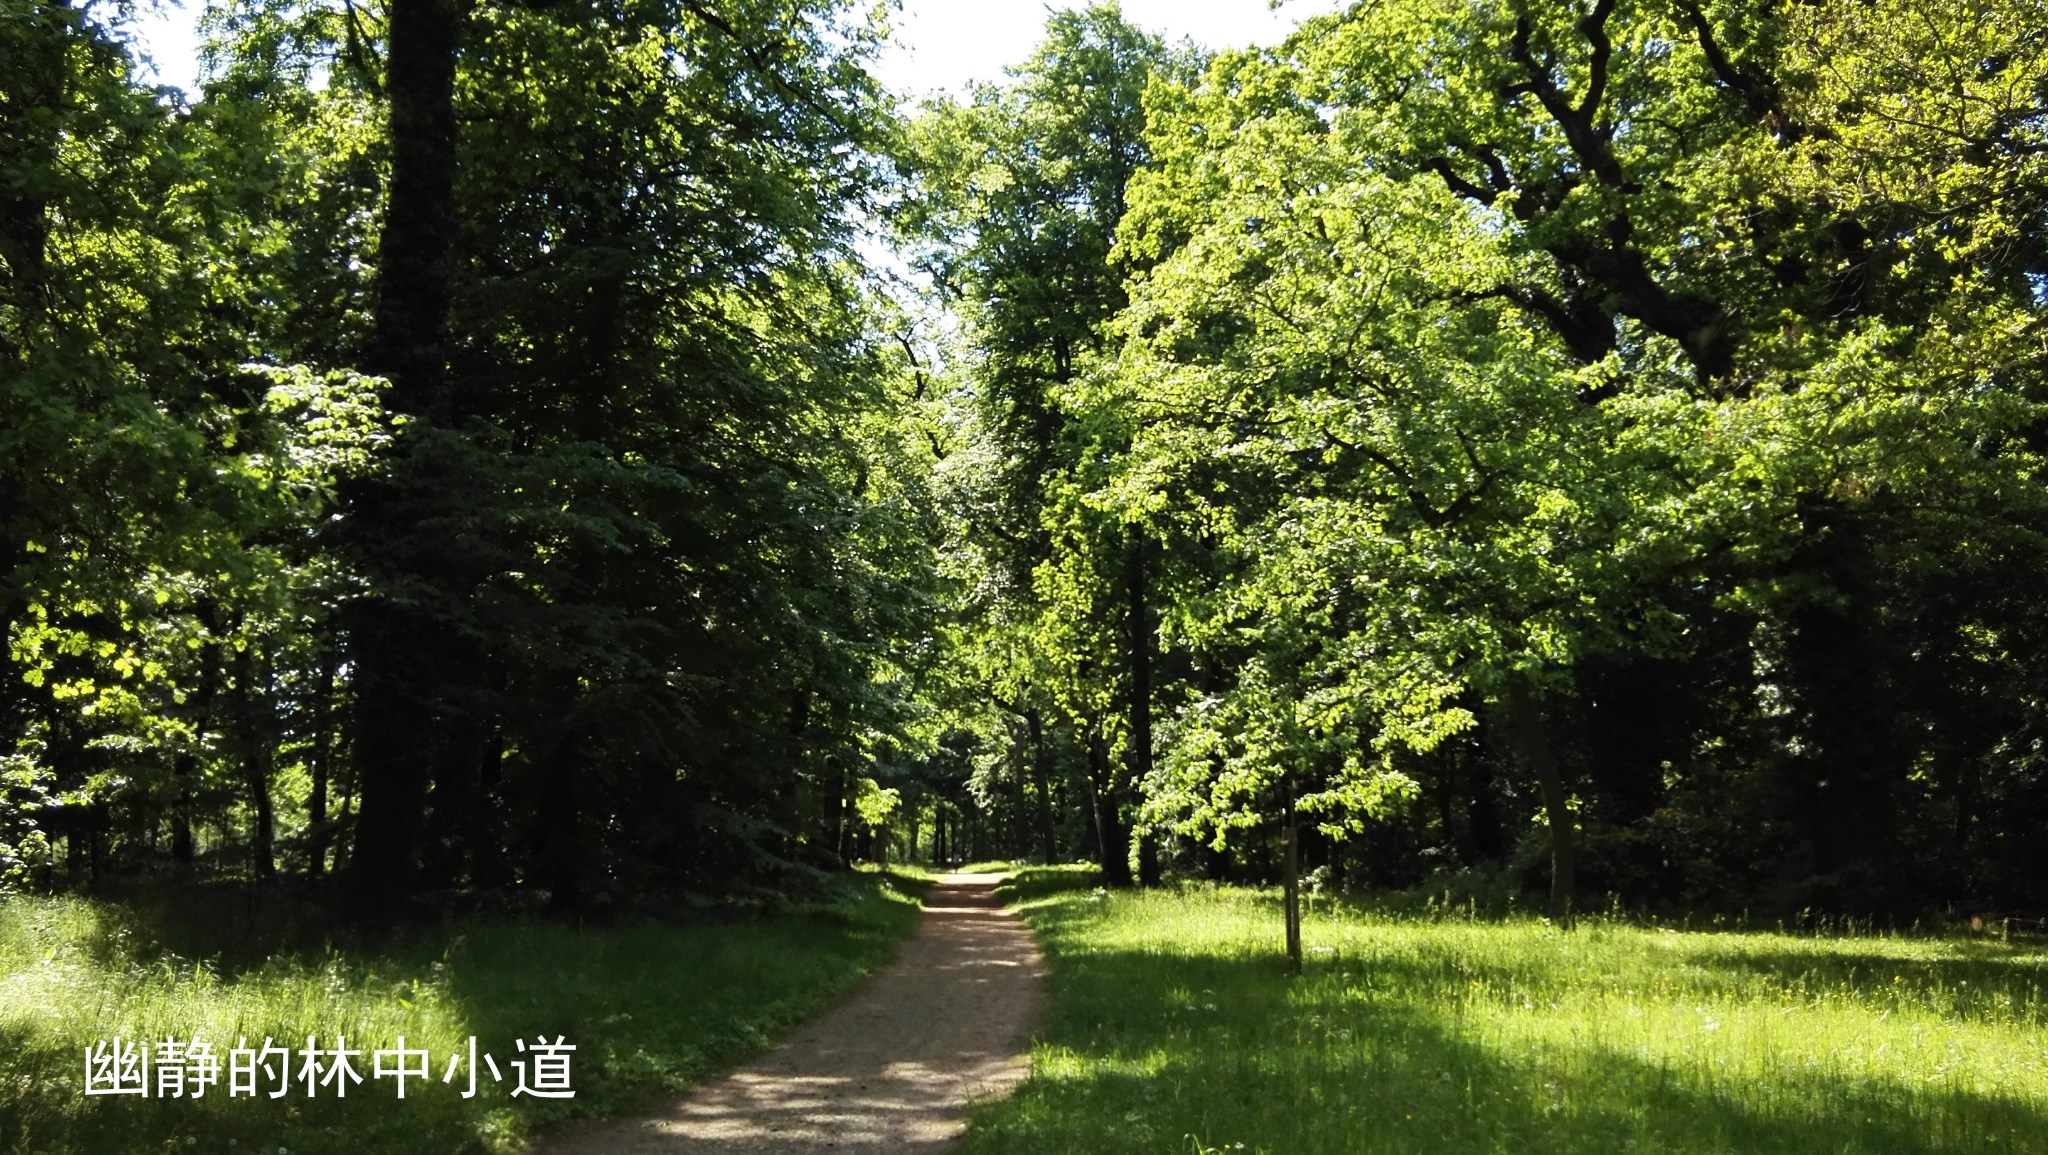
{"points": [[185, 767], [1531, 734], [1112, 835], [322, 763], [256, 741], [1290, 853], [396, 677], [1041, 782], [1138, 759]]}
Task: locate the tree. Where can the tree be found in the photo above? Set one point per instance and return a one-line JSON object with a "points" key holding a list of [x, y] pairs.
{"points": [[1022, 191], [1497, 373]]}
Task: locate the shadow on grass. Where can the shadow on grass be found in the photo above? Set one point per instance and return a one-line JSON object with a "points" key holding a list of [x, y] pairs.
{"points": [[1967, 979], [233, 927], [651, 1008], [914, 885], [1031, 883], [656, 1008], [1990, 978], [1170, 1051], [46, 1112]]}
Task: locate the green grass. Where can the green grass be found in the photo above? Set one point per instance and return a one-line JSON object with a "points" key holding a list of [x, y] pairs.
{"points": [[1175, 1027], [908, 871], [652, 1008], [928, 872]]}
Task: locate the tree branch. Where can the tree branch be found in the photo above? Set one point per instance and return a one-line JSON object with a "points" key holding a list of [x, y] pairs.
{"points": [[1587, 329], [1759, 93], [765, 67], [1588, 143], [1594, 29], [1459, 185], [359, 51]]}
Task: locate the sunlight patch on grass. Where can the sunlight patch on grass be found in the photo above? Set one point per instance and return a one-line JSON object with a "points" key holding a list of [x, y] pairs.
{"points": [[1431, 1034]]}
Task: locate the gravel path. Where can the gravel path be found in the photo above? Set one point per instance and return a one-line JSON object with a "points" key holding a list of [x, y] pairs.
{"points": [[891, 1070]]}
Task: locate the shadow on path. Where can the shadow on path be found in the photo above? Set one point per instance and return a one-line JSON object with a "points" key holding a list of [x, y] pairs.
{"points": [[891, 1070]]}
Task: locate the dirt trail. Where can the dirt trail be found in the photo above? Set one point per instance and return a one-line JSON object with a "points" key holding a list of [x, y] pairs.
{"points": [[893, 1069]]}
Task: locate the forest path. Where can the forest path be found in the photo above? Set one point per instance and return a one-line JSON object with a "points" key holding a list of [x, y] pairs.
{"points": [[893, 1069]]}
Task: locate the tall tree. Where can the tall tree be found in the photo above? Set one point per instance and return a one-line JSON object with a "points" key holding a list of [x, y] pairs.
{"points": [[1023, 190], [399, 652]]}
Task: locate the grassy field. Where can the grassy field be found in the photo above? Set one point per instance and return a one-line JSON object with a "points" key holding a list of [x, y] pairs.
{"points": [[651, 1008], [1175, 1027]]}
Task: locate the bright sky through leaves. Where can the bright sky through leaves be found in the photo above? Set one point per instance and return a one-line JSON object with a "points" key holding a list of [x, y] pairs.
{"points": [[939, 44]]}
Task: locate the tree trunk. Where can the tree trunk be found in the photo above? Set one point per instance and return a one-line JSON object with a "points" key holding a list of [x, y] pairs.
{"points": [[1041, 782], [255, 738], [1138, 763], [833, 823], [1017, 829], [1112, 836], [344, 849], [35, 39], [1290, 867], [393, 723], [486, 827], [185, 767], [561, 835], [1486, 841], [1531, 736], [322, 764], [448, 852], [392, 749], [413, 281]]}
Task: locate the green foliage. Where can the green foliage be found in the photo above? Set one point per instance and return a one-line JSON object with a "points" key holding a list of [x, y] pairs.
{"points": [[877, 804], [1481, 346], [1017, 198], [662, 523], [689, 525], [24, 844], [470, 433]]}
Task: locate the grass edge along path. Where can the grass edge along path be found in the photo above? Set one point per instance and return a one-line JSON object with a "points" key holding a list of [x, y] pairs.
{"points": [[1173, 1026], [895, 1068], [653, 1008]]}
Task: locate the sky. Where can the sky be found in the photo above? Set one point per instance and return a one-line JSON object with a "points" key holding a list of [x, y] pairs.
{"points": [[943, 44], [938, 45]]}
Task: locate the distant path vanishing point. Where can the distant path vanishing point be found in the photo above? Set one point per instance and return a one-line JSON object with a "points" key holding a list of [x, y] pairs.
{"points": [[893, 1069]]}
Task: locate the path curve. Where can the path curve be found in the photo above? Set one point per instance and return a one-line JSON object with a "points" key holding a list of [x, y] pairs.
{"points": [[893, 1069]]}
